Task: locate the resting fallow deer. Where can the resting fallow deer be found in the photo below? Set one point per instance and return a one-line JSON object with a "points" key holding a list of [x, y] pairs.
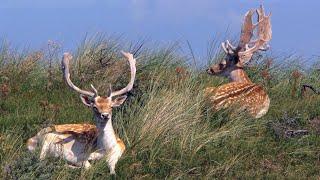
{"points": [[79, 144], [241, 90]]}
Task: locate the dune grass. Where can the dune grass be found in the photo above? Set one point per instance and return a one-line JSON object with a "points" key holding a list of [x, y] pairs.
{"points": [[166, 123]]}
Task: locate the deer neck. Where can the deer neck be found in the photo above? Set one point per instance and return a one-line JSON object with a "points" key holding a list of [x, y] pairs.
{"points": [[106, 137], [239, 75]]}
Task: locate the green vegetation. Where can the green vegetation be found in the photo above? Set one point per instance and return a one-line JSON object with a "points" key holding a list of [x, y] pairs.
{"points": [[166, 124]]}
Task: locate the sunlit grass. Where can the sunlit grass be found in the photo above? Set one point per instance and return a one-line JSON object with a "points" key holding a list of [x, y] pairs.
{"points": [[166, 123]]}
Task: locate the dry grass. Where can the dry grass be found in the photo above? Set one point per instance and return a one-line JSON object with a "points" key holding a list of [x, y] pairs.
{"points": [[166, 124]]}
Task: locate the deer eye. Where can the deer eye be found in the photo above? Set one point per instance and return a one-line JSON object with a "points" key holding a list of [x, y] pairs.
{"points": [[95, 109]]}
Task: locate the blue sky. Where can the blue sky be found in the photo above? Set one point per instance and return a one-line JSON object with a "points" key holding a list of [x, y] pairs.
{"points": [[32, 23]]}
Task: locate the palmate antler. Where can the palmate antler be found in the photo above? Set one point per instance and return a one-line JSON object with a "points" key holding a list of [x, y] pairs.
{"points": [[246, 46], [66, 74]]}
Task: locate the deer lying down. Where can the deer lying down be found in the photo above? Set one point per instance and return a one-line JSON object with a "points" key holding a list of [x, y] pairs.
{"points": [[241, 91], [79, 144]]}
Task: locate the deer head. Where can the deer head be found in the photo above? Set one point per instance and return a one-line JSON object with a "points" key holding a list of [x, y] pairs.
{"points": [[101, 105], [237, 57]]}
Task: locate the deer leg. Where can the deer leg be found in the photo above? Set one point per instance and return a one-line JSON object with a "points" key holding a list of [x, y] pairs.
{"points": [[112, 164], [96, 155], [113, 158], [44, 150], [87, 165], [72, 166], [112, 169]]}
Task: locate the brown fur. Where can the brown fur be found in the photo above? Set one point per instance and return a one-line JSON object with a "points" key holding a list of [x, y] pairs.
{"points": [[103, 104], [82, 132], [86, 133], [121, 144], [31, 142], [248, 96]]}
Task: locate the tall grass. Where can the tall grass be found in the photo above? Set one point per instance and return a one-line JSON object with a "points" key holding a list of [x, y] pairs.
{"points": [[166, 123]]}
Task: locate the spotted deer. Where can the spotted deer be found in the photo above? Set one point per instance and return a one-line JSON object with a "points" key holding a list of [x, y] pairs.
{"points": [[241, 91], [79, 144]]}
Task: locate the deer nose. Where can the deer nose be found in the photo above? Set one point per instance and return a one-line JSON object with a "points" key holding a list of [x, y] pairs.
{"points": [[105, 116]]}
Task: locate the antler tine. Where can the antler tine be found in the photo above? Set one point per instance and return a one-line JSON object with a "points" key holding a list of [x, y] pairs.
{"points": [[264, 29], [223, 45], [228, 47], [132, 62], [66, 75], [109, 91], [264, 35], [94, 90], [247, 29], [225, 48]]}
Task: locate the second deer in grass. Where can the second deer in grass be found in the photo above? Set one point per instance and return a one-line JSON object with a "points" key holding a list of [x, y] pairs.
{"points": [[241, 91], [79, 144]]}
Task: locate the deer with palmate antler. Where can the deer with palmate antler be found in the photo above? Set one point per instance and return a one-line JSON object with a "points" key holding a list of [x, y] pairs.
{"points": [[241, 90], [79, 144]]}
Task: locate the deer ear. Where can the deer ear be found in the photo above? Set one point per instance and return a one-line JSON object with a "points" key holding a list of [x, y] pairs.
{"points": [[86, 100], [118, 101]]}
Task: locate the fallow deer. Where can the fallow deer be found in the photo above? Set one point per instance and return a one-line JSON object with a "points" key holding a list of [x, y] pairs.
{"points": [[79, 144], [241, 91]]}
